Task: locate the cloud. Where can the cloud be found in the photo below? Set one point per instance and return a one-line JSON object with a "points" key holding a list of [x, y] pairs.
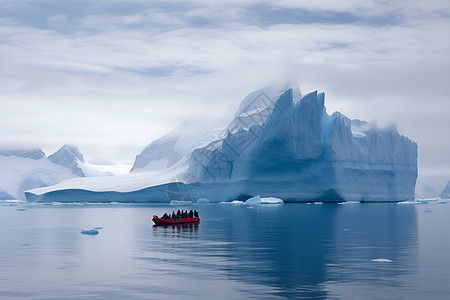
{"points": [[112, 80]]}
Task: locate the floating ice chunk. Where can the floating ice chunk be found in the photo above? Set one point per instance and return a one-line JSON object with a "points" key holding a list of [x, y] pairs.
{"points": [[180, 202], [21, 209], [271, 200], [98, 227], [318, 202], [381, 260], [428, 210], [232, 202], [257, 200], [442, 201], [409, 202], [91, 231], [202, 200]]}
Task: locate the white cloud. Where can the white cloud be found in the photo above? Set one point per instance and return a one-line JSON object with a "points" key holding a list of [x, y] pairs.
{"points": [[114, 81]]}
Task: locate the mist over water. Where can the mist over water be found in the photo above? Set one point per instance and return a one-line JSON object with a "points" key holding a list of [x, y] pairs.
{"points": [[237, 252]]}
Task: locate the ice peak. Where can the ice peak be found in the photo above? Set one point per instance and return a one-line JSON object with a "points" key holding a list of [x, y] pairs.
{"points": [[446, 192], [68, 156]]}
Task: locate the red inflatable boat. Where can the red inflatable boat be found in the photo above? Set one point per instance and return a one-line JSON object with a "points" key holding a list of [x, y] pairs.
{"points": [[159, 221]]}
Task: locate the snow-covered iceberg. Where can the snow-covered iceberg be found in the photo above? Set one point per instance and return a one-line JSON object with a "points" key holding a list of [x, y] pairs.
{"points": [[21, 170], [280, 144]]}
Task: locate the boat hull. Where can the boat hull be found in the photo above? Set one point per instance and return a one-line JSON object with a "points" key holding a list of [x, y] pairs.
{"points": [[159, 221]]}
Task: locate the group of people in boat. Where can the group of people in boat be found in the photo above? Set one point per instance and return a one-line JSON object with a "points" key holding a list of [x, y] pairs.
{"points": [[183, 214]]}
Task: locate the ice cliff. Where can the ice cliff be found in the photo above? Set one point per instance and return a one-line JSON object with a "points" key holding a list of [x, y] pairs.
{"points": [[281, 144]]}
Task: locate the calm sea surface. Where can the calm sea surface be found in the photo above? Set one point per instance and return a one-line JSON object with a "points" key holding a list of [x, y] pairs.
{"points": [[293, 251]]}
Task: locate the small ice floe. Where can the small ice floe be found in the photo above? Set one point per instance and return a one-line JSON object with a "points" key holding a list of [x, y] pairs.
{"points": [[180, 202], [349, 202], [21, 209], [408, 202], [257, 200], [442, 201], [98, 227], [381, 260], [26, 245], [232, 202], [318, 202], [90, 232], [271, 200], [428, 210], [202, 200]]}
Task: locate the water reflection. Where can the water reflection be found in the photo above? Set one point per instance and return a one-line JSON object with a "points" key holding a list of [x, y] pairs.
{"points": [[237, 252], [189, 230], [297, 251]]}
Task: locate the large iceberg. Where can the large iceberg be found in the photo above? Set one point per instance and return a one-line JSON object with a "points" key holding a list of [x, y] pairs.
{"points": [[21, 170], [281, 144]]}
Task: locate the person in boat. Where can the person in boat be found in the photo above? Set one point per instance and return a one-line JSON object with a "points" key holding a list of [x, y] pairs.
{"points": [[191, 214], [164, 216], [195, 213], [178, 214], [173, 215]]}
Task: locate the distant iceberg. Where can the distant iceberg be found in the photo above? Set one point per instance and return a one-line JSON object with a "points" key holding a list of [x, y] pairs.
{"points": [[202, 200], [257, 200], [446, 192], [381, 260], [280, 144], [232, 202], [90, 231], [180, 202]]}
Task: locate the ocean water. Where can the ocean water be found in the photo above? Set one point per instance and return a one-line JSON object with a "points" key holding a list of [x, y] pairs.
{"points": [[290, 251]]}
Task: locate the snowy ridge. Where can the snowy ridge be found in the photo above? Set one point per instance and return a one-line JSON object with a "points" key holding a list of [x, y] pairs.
{"points": [[174, 146], [31, 153], [22, 170], [18, 174], [446, 192], [279, 144], [69, 157]]}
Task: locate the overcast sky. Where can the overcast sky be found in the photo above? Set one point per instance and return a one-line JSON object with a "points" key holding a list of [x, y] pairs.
{"points": [[111, 76]]}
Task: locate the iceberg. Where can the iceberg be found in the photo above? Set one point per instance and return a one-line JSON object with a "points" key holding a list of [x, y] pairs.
{"points": [[202, 200], [446, 192], [279, 143], [22, 170], [381, 260], [90, 231], [180, 203], [232, 202], [257, 200]]}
